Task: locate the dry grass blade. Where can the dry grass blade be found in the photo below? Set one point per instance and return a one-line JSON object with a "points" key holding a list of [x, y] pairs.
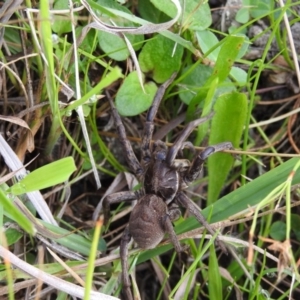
{"points": [[62, 285], [144, 29]]}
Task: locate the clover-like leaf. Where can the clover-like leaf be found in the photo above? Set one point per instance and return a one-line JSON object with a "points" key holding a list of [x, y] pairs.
{"points": [[130, 99], [278, 231], [113, 45], [157, 57], [61, 23], [196, 14]]}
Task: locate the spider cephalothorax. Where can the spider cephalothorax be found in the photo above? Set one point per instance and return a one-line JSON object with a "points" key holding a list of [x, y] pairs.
{"points": [[164, 177]]}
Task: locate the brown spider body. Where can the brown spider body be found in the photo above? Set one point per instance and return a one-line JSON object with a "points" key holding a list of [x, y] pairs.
{"points": [[164, 178], [146, 224]]}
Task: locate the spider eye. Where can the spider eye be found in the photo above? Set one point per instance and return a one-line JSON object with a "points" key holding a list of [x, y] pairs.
{"points": [[161, 155]]}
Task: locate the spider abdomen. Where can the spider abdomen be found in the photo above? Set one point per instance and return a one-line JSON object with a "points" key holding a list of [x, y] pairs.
{"points": [[146, 221]]}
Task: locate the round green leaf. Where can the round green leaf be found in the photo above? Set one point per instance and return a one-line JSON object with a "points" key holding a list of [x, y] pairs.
{"points": [[196, 15], [207, 40], [157, 57], [242, 16], [61, 23], [12, 236], [115, 47], [131, 100], [278, 231]]}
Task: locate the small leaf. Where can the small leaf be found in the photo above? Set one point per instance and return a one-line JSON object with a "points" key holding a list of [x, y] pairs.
{"points": [[150, 13], [207, 40], [193, 85], [88, 44], [61, 23], [228, 54], [239, 75], [157, 57], [130, 99], [115, 47], [227, 126], [46, 176], [242, 16], [260, 8], [278, 231], [196, 14], [12, 236]]}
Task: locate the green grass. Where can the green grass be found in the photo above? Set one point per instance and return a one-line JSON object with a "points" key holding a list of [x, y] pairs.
{"points": [[61, 69]]}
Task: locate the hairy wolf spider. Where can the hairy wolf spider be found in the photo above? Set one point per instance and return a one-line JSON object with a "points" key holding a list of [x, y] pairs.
{"points": [[164, 178]]}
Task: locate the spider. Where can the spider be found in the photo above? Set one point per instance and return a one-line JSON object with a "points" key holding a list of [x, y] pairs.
{"points": [[164, 178]]}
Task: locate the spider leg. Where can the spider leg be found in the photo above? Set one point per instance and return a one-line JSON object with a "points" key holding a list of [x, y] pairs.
{"points": [[187, 145], [196, 166], [116, 198], [170, 230], [131, 159], [149, 126], [186, 202], [126, 237], [179, 142], [174, 212]]}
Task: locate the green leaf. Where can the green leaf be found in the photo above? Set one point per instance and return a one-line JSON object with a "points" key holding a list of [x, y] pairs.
{"points": [[150, 13], [61, 22], [214, 277], [110, 77], [46, 176], [242, 16], [157, 57], [278, 231], [115, 47], [15, 214], [259, 8], [207, 40], [239, 75], [12, 236], [196, 15], [121, 14], [228, 54], [88, 44], [130, 99], [193, 87], [227, 125]]}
